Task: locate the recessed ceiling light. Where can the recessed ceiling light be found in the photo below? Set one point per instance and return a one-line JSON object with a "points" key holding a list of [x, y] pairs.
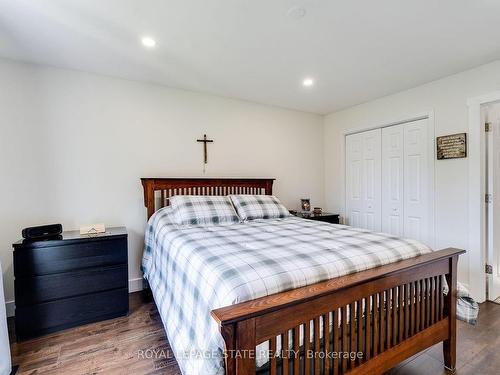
{"points": [[296, 12], [148, 42], [308, 82]]}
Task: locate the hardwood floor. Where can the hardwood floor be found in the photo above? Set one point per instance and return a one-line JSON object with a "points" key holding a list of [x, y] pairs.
{"points": [[115, 347], [110, 347], [477, 349]]}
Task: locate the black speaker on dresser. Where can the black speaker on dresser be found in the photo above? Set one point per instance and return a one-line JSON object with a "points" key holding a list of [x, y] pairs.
{"points": [[69, 281], [42, 231]]}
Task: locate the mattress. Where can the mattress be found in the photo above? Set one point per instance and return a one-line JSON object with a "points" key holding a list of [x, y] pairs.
{"points": [[195, 269]]}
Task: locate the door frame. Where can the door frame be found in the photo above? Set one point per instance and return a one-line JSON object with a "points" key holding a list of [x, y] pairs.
{"points": [[477, 212], [429, 115]]}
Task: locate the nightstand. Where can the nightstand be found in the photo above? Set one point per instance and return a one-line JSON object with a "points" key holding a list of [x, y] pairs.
{"points": [[69, 281], [325, 217]]}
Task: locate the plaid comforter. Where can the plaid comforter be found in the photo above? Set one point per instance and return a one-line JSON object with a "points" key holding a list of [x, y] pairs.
{"points": [[195, 269]]}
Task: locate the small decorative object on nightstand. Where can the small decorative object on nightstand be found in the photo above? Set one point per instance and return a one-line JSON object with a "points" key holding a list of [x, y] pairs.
{"points": [[66, 282], [324, 216], [305, 204]]}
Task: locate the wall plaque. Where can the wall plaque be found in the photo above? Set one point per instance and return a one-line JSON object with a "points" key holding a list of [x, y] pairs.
{"points": [[452, 146]]}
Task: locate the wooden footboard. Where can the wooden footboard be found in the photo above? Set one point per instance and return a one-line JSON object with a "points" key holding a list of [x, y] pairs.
{"points": [[363, 323]]}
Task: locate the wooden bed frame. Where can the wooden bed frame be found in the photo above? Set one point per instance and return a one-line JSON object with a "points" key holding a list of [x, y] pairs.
{"points": [[402, 310]]}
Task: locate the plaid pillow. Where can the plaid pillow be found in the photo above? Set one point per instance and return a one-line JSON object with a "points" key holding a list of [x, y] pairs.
{"points": [[250, 207], [203, 210]]}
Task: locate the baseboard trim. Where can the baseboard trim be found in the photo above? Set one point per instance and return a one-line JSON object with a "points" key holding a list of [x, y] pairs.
{"points": [[134, 285], [10, 308]]}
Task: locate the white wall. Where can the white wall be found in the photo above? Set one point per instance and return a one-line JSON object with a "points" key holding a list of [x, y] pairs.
{"points": [[73, 147], [447, 99]]}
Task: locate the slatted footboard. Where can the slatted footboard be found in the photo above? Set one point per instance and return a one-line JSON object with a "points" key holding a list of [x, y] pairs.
{"points": [[363, 323]]}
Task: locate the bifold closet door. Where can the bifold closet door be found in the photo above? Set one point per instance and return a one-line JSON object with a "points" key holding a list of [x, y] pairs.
{"points": [[417, 181], [363, 179], [388, 180], [393, 180]]}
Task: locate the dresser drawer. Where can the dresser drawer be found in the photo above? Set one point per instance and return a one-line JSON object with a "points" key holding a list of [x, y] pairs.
{"points": [[44, 288], [69, 312], [64, 258]]}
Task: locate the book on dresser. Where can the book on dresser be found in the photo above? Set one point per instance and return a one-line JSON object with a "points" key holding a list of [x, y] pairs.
{"points": [[69, 281]]}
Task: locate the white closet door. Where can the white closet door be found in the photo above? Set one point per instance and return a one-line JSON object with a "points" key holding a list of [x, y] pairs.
{"points": [[372, 160], [392, 180], [416, 181], [363, 179], [354, 180]]}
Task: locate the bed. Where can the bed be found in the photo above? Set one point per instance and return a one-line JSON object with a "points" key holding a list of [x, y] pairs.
{"points": [[292, 296]]}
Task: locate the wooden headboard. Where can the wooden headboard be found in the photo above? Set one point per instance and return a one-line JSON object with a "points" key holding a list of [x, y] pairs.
{"points": [[157, 191]]}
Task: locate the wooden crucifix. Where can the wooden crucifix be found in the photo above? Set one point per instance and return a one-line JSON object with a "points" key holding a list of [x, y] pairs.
{"points": [[205, 141]]}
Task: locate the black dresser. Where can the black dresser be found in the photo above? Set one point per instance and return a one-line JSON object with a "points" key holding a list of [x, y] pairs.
{"points": [[71, 280]]}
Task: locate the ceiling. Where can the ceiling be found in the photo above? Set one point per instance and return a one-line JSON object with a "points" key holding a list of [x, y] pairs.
{"points": [[254, 49]]}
